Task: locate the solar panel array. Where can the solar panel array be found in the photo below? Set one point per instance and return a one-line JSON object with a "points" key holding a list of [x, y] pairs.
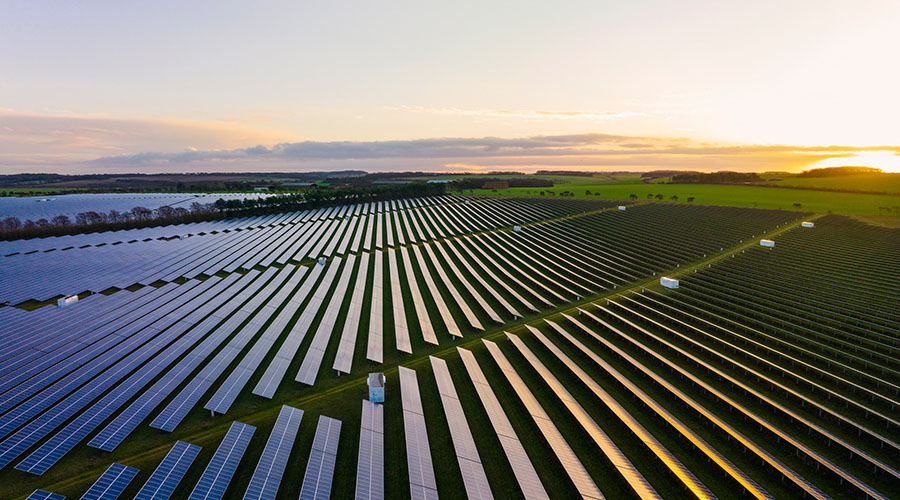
{"points": [[93, 371], [267, 476], [168, 474], [215, 479], [320, 467], [111, 484], [370, 463]]}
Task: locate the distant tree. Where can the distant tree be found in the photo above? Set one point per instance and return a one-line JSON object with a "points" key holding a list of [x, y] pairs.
{"points": [[798, 206], [754, 204], [196, 207], [10, 224], [632, 197], [43, 223], [659, 197], [29, 224], [180, 212], [587, 192], [542, 193], [61, 220], [649, 196], [88, 218], [896, 210], [690, 199], [141, 213], [165, 211], [674, 197]]}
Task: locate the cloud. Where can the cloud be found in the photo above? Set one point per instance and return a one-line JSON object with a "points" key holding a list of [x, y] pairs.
{"points": [[72, 143], [66, 138], [588, 150], [526, 113]]}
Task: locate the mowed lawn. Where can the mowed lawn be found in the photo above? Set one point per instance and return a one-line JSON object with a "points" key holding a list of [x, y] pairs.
{"points": [[708, 194]]}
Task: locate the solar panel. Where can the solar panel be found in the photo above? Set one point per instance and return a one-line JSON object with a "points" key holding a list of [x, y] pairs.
{"points": [[320, 468], [45, 495], [267, 476], [218, 473], [474, 478], [401, 330], [111, 484], [168, 473], [343, 360], [401, 240], [422, 484], [375, 341], [370, 464]]}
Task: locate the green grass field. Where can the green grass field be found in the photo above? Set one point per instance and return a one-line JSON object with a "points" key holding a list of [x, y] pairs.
{"points": [[709, 194], [880, 183]]}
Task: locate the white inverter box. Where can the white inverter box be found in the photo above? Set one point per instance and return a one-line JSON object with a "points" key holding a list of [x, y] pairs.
{"points": [[621, 207], [767, 243], [808, 224], [668, 282], [66, 301]]}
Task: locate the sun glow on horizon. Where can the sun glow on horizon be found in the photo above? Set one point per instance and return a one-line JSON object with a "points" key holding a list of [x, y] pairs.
{"points": [[887, 161]]}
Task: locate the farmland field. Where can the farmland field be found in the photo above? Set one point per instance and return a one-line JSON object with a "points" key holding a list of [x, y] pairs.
{"points": [[874, 183], [711, 194], [528, 348]]}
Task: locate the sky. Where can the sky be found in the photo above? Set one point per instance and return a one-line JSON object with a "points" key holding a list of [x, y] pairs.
{"points": [[195, 86]]}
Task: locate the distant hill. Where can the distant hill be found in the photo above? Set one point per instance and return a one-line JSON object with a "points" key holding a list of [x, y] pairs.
{"points": [[839, 171]]}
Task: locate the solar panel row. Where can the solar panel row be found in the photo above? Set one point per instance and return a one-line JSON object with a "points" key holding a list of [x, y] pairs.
{"points": [[370, 463], [268, 473], [320, 467], [111, 484], [422, 483], [44, 495], [218, 473], [162, 483]]}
